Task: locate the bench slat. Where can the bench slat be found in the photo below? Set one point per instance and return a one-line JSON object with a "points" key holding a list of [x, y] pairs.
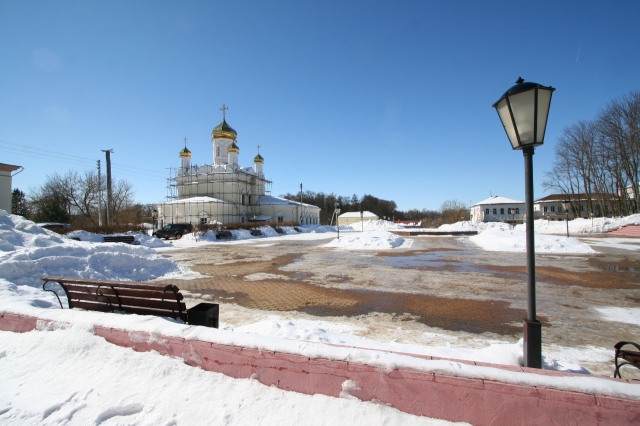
{"points": [[149, 294], [170, 305], [130, 309], [117, 284]]}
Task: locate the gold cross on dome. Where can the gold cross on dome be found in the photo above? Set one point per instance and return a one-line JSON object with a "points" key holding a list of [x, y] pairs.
{"points": [[185, 142], [258, 149], [224, 111]]}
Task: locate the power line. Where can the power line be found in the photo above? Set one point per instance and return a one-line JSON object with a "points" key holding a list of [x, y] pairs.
{"points": [[29, 151]]}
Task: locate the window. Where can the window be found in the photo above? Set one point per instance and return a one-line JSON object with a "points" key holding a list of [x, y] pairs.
{"points": [[553, 208], [545, 208], [203, 221], [280, 218], [495, 211], [502, 210], [218, 152], [517, 211], [486, 211], [243, 199]]}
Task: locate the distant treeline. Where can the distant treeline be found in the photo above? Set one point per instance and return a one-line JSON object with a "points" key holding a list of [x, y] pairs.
{"points": [[378, 206]]}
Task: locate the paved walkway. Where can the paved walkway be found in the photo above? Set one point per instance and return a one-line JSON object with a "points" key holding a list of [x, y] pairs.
{"points": [[442, 282]]}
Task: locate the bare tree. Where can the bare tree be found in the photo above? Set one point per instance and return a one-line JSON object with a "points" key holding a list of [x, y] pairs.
{"points": [[454, 211], [77, 195]]}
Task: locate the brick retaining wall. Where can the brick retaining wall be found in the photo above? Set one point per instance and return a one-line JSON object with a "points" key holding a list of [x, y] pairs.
{"points": [[480, 402]]}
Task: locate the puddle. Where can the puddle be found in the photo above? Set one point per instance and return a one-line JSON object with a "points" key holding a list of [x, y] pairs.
{"points": [[619, 268], [442, 260]]}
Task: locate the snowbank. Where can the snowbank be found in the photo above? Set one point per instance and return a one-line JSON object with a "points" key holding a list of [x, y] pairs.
{"points": [[368, 240], [515, 241]]}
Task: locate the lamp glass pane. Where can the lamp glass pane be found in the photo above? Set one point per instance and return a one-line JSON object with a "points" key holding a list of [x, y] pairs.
{"points": [[523, 107], [544, 102], [505, 117]]}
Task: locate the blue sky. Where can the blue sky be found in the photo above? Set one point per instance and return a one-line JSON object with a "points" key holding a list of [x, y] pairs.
{"points": [[388, 98]]}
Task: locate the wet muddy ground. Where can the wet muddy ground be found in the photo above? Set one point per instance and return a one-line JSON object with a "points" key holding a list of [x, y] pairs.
{"points": [[438, 285]]}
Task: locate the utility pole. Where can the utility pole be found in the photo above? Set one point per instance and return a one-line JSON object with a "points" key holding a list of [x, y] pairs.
{"points": [[100, 195], [301, 204], [109, 193]]}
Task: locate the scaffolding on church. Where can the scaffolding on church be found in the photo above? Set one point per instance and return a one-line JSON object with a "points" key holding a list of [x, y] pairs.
{"points": [[230, 192]]}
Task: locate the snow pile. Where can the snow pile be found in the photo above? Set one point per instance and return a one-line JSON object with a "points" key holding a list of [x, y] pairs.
{"points": [[17, 233], [344, 335], [597, 225], [30, 252], [367, 240], [144, 240], [128, 387], [515, 241], [473, 226]]}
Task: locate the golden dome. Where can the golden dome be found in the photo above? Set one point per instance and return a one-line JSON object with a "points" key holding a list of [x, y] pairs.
{"points": [[185, 153], [223, 130], [233, 147], [258, 159]]}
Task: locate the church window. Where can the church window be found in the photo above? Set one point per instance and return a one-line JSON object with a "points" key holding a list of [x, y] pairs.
{"points": [[243, 199], [280, 218], [203, 221], [218, 152]]}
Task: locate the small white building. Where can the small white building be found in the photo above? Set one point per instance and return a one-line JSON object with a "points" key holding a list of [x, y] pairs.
{"points": [[498, 209], [355, 217], [6, 175]]}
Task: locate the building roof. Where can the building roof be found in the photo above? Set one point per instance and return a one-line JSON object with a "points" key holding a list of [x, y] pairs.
{"points": [[367, 215], [8, 167], [573, 197], [496, 199], [270, 200], [196, 200], [223, 130]]}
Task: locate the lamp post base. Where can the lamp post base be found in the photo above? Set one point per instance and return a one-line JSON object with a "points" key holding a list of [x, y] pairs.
{"points": [[532, 348]]}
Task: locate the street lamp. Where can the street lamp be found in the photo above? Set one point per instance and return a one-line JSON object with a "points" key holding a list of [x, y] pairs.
{"points": [[523, 110], [565, 206], [362, 219], [337, 212]]}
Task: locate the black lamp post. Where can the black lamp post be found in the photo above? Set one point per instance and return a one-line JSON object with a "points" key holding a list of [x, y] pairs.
{"points": [[523, 110], [565, 206]]}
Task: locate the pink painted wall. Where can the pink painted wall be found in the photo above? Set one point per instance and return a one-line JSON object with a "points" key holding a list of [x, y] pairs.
{"points": [[480, 402]]}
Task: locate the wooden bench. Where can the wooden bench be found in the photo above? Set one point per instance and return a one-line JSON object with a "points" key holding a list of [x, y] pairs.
{"points": [[128, 239], [124, 296], [626, 356]]}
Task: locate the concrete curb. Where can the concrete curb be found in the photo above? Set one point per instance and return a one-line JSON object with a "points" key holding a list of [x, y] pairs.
{"points": [[480, 402]]}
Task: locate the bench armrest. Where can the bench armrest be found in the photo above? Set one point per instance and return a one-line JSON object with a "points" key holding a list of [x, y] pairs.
{"points": [[620, 345]]}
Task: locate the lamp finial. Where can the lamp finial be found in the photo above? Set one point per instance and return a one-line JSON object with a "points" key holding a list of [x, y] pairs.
{"points": [[520, 80]]}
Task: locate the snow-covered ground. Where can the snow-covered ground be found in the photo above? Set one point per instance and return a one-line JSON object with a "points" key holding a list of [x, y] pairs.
{"points": [[146, 388]]}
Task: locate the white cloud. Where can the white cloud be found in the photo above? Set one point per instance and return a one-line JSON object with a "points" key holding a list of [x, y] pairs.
{"points": [[47, 60]]}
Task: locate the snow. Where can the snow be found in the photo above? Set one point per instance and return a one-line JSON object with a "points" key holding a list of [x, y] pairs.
{"points": [[625, 315], [135, 388], [515, 241], [371, 240]]}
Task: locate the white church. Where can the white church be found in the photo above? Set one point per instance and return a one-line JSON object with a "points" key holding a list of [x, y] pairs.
{"points": [[224, 192]]}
